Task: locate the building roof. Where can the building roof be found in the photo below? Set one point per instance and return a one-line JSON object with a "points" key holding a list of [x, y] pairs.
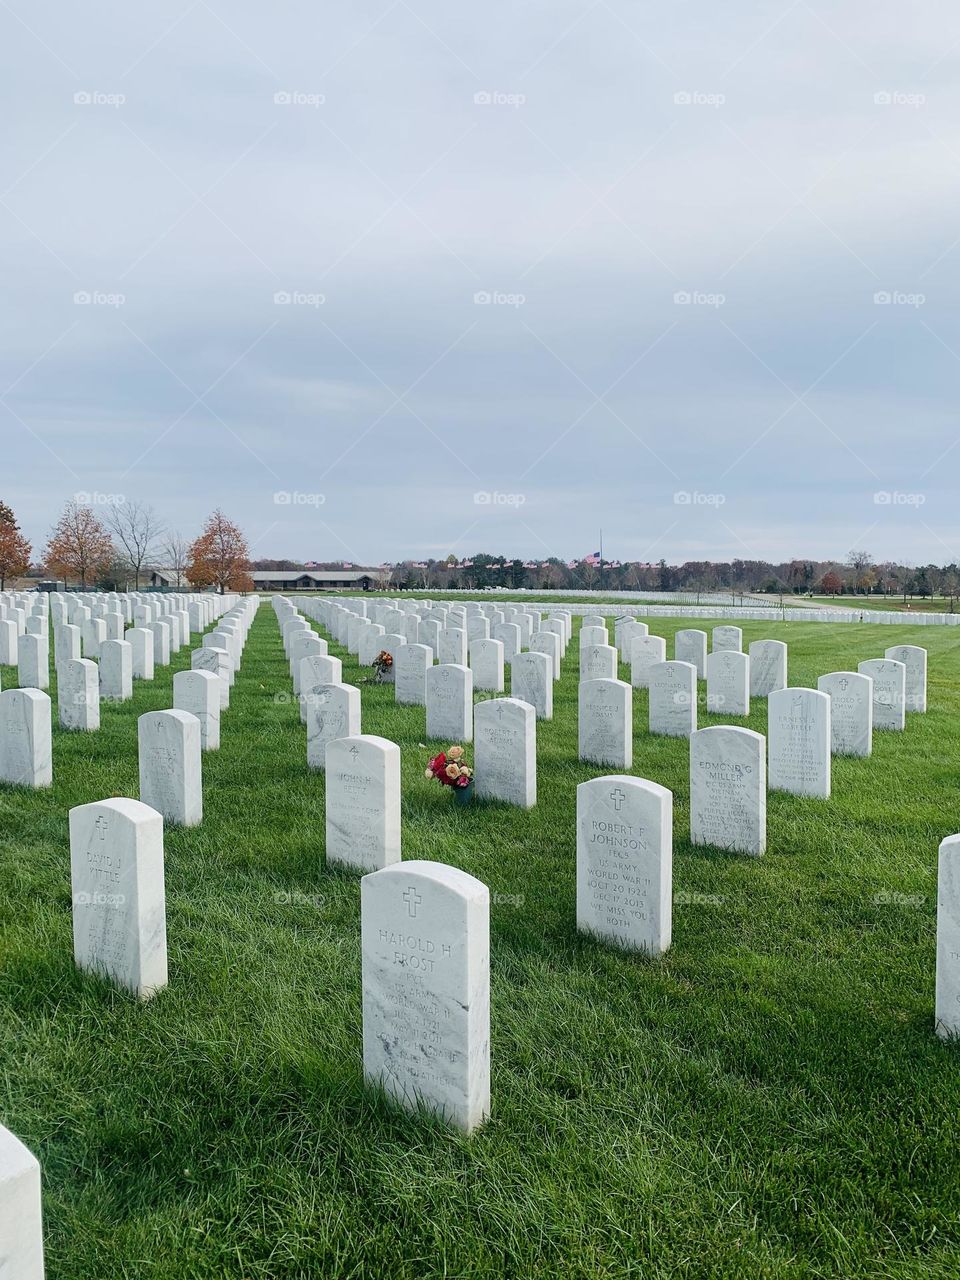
{"points": [[315, 575]]}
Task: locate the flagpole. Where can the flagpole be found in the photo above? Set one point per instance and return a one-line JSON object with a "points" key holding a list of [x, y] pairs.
{"points": [[601, 559]]}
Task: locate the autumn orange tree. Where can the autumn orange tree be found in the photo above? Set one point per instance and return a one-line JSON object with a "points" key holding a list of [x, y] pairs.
{"points": [[220, 557], [14, 548], [79, 546]]}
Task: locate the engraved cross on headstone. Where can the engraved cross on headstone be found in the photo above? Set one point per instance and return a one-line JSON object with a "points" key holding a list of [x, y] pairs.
{"points": [[101, 826], [618, 798], [413, 900]]}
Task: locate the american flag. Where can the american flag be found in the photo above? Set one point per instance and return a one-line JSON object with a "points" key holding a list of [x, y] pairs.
{"points": [[594, 559]]}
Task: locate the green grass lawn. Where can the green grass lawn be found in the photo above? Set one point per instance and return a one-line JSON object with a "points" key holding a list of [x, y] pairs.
{"points": [[768, 1099]]}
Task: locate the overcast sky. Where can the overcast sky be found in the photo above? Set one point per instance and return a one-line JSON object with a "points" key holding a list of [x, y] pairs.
{"points": [[584, 166]]}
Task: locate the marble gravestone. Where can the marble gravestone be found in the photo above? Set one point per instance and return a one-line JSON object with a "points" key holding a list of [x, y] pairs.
{"points": [[116, 868], [453, 646], [486, 663], [947, 1016], [363, 802], [333, 711], [505, 751], [199, 693], [915, 660], [218, 662], [531, 680], [625, 862], [78, 695], [593, 635], [26, 738], [691, 646], [768, 667], [889, 692], [318, 668], [547, 642], [410, 663], [605, 726], [8, 642], [728, 788], [66, 643], [21, 1223], [798, 742], [673, 698], [425, 944], [141, 641], [449, 691], [116, 671], [33, 662], [370, 637], [727, 638], [391, 642], [598, 662], [728, 682], [161, 643], [170, 766], [645, 652], [851, 712], [629, 631], [508, 633]]}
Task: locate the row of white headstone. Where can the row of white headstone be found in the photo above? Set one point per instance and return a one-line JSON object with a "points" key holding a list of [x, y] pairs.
{"points": [[26, 757]]}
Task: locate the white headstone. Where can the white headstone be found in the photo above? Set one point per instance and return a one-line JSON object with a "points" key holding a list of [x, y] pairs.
{"points": [[508, 633], [119, 921], [727, 638], [768, 667], [140, 640], [450, 702], [645, 652], [78, 695], [8, 643], [548, 642], [728, 788], [598, 662], [170, 768], [33, 662], [453, 646], [531, 680], [505, 751], [889, 692], [691, 646], [216, 661], [728, 682], [26, 738], [605, 730], [161, 643], [198, 692], [21, 1223], [116, 670], [915, 660], [798, 743], [363, 802], [673, 698], [425, 941], [333, 711], [947, 1022], [410, 663], [851, 712], [593, 635], [625, 862], [486, 663]]}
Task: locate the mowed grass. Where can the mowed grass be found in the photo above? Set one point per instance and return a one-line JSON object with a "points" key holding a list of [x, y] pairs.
{"points": [[768, 1099]]}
